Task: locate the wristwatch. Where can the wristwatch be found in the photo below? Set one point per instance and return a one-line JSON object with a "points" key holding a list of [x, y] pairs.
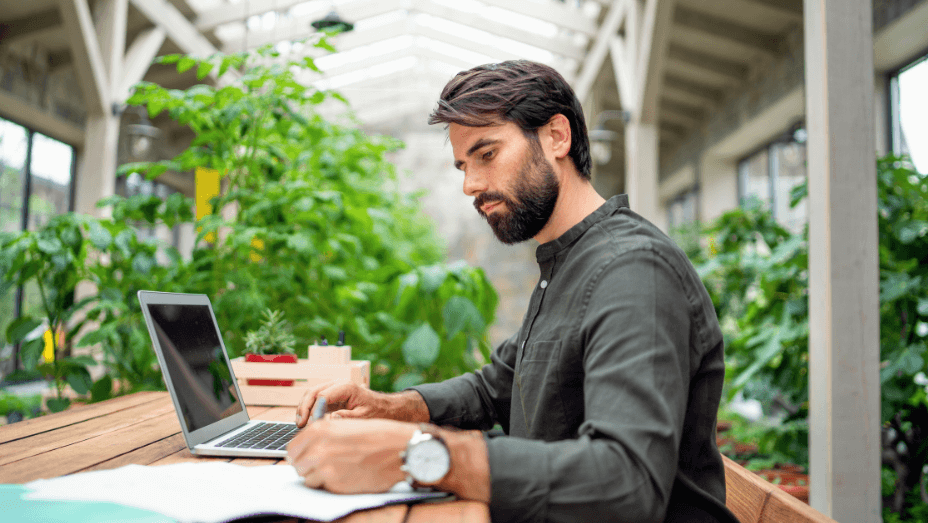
{"points": [[426, 460]]}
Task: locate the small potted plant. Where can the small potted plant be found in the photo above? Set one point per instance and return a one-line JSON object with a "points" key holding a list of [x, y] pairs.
{"points": [[272, 342]]}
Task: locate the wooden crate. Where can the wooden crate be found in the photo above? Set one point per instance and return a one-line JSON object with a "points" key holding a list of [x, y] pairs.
{"points": [[324, 364]]}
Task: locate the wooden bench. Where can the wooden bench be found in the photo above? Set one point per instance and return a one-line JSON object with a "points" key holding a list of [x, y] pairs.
{"points": [[755, 500]]}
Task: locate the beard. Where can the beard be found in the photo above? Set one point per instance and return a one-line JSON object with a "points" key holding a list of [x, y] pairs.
{"points": [[535, 191]]}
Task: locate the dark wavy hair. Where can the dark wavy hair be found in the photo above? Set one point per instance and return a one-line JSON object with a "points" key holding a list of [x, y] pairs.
{"points": [[519, 91]]}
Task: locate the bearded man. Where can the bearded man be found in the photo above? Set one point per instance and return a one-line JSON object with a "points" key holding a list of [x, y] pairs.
{"points": [[608, 393]]}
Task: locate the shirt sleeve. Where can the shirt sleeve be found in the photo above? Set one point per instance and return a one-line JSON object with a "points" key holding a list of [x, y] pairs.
{"points": [[477, 400], [635, 330]]}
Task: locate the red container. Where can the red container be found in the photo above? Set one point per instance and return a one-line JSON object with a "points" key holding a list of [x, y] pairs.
{"points": [[271, 358]]}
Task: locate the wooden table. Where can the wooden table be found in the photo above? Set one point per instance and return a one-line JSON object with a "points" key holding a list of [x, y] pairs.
{"points": [[142, 429]]}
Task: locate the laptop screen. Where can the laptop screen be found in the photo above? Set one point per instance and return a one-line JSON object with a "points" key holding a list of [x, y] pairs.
{"points": [[196, 363]]}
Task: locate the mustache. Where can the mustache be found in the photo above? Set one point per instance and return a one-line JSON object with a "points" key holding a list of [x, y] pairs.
{"points": [[488, 197]]}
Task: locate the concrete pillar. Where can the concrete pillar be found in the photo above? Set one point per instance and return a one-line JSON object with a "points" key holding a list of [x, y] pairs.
{"points": [[844, 344], [641, 168], [96, 171]]}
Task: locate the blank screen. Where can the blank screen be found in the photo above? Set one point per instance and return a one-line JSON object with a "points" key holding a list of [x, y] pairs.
{"points": [[196, 363]]}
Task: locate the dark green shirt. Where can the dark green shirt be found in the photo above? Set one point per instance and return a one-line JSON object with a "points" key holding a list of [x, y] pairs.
{"points": [[609, 392]]}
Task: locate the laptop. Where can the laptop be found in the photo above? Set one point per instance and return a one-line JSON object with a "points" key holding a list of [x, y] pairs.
{"points": [[199, 376]]}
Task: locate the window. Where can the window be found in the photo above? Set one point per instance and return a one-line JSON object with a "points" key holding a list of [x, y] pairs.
{"points": [[770, 175], [36, 183], [909, 112], [682, 209]]}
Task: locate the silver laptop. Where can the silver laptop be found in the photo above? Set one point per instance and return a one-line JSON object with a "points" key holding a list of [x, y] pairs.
{"points": [[199, 377]]}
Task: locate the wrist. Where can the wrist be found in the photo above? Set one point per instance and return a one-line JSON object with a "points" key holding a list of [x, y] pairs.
{"points": [[469, 475], [408, 406]]}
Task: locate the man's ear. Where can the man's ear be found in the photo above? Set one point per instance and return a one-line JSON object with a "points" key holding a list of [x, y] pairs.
{"points": [[558, 132]]}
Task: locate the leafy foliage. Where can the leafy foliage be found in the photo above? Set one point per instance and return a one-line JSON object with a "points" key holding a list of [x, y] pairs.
{"points": [[309, 221], [274, 336], [757, 274]]}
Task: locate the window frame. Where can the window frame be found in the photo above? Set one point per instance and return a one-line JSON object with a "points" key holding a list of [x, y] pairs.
{"points": [[891, 99], [27, 196]]}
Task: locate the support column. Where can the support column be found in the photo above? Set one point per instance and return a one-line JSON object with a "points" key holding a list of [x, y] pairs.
{"points": [[96, 171], [641, 168], [844, 344]]}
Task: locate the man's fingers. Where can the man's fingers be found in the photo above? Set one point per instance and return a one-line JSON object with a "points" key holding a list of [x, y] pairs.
{"points": [[307, 403]]}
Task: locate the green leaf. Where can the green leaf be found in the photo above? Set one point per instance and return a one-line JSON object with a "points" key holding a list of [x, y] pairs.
{"points": [[49, 245], [92, 338], [30, 352], [100, 236], [79, 380], [204, 69], [20, 328], [58, 404], [432, 278], [102, 389], [460, 314], [421, 348], [409, 379], [923, 306], [185, 64]]}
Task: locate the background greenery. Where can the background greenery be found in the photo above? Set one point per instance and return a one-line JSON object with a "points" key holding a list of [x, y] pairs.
{"points": [[757, 274], [309, 221]]}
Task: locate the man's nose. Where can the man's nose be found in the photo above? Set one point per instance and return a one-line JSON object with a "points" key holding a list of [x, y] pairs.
{"points": [[474, 183]]}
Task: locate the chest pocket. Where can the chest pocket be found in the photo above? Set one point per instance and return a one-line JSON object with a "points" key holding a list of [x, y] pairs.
{"points": [[540, 389]]}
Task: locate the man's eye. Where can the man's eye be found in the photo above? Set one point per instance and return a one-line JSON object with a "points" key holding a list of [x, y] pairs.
{"points": [[487, 155]]}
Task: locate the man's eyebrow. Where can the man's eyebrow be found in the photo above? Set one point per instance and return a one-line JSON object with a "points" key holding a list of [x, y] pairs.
{"points": [[483, 142]]}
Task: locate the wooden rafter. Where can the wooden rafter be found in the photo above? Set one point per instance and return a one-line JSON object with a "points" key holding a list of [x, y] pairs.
{"points": [[138, 60], [726, 30], [727, 68], [617, 12], [180, 30], [85, 49], [29, 25]]}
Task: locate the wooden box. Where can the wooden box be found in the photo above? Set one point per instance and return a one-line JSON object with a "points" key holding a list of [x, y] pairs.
{"points": [[324, 364]]}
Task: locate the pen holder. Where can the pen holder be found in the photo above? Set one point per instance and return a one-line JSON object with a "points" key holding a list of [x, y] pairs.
{"points": [[325, 363]]}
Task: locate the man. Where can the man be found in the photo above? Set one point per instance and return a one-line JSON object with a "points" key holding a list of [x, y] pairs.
{"points": [[608, 393]]}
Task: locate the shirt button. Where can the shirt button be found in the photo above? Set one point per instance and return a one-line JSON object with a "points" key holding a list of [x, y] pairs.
{"points": [[544, 284]]}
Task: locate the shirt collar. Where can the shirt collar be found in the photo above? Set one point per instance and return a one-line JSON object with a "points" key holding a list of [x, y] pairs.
{"points": [[548, 250]]}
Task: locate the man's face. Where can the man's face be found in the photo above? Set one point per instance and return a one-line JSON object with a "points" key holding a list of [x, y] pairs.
{"points": [[514, 186]]}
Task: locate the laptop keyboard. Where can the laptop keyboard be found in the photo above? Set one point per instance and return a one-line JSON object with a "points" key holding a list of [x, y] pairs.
{"points": [[269, 436]]}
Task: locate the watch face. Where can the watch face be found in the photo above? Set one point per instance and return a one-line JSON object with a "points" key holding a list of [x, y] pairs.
{"points": [[428, 461]]}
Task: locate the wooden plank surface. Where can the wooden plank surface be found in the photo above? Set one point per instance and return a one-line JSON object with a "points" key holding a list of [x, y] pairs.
{"points": [[74, 415], [143, 429]]}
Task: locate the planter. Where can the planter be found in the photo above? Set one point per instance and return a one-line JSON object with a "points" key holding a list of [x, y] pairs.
{"points": [[271, 358], [304, 374], [789, 480]]}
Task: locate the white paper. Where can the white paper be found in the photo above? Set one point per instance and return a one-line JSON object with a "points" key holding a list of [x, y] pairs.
{"points": [[213, 492]]}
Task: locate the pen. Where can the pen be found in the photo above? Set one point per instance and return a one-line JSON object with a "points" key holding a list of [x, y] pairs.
{"points": [[320, 409]]}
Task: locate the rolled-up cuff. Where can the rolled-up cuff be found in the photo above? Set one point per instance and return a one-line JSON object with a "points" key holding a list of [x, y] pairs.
{"points": [[519, 479], [448, 402]]}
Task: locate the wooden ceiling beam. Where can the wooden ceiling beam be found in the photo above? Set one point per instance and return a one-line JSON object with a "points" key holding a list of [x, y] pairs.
{"points": [[791, 8], [558, 14], [727, 68], [29, 25], [178, 29], [697, 89], [691, 112], [725, 29], [85, 49]]}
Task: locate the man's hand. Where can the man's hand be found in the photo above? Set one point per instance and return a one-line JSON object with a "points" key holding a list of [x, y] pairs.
{"points": [[347, 400], [347, 456], [352, 456]]}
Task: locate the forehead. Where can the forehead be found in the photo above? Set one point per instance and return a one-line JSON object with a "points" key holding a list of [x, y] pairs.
{"points": [[465, 139]]}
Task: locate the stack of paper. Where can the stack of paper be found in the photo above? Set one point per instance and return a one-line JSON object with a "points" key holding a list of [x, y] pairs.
{"points": [[213, 492]]}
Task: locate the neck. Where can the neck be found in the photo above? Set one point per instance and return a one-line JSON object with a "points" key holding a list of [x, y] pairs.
{"points": [[576, 200]]}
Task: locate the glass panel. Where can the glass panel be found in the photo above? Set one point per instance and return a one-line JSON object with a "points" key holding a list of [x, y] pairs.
{"points": [[791, 162], [913, 113], [13, 141], [50, 192], [754, 178]]}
